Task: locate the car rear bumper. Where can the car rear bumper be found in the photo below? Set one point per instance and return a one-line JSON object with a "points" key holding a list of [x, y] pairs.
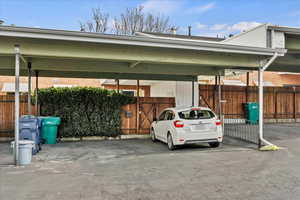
{"points": [[201, 141], [183, 141]]}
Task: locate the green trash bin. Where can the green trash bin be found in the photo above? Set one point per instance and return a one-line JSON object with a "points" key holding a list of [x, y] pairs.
{"points": [[252, 112], [49, 129]]}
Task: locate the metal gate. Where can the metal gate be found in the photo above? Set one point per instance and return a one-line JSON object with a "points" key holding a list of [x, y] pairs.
{"points": [[238, 128]]}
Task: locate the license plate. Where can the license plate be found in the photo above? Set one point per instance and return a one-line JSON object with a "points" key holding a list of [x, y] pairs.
{"points": [[201, 127]]}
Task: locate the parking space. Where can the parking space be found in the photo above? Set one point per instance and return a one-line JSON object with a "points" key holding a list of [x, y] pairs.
{"points": [[140, 169], [101, 151]]}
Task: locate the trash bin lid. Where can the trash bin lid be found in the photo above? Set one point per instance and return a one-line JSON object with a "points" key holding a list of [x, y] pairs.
{"points": [[51, 121], [23, 142], [26, 142]]}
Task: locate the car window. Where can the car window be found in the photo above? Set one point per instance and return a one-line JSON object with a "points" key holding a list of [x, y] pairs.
{"points": [[169, 115], [196, 114], [162, 116]]}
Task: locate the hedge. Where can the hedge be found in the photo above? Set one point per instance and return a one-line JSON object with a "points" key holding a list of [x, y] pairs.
{"points": [[84, 111]]}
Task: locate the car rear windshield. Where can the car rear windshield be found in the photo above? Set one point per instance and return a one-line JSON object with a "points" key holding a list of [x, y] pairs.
{"points": [[196, 114]]}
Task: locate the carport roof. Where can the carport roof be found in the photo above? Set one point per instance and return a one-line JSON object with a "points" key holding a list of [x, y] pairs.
{"points": [[285, 29], [79, 36], [92, 55]]}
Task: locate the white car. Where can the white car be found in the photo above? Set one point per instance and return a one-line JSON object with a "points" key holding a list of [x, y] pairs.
{"points": [[188, 125]]}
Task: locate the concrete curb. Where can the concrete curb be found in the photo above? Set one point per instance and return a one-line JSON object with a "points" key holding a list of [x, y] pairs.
{"points": [[91, 138], [99, 138]]}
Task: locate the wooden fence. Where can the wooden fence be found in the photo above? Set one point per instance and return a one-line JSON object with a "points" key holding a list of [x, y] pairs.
{"points": [[279, 102], [147, 108], [7, 113]]}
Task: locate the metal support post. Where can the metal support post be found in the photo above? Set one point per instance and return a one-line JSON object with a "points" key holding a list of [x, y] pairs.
{"points": [[17, 102], [138, 107], [260, 104], [37, 92], [29, 89], [193, 92]]}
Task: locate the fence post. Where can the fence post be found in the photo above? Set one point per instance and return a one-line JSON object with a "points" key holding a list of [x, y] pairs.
{"points": [[275, 103], [220, 97], [247, 87], [214, 93], [118, 86]]}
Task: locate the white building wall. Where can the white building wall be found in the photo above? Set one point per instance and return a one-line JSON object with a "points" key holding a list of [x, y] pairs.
{"points": [[256, 37], [184, 93], [163, 89], [279, 40]]}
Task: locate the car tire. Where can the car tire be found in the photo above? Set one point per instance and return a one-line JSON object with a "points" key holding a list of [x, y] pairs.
{"points": [[214, 144], [170, 144], [152, 135]]}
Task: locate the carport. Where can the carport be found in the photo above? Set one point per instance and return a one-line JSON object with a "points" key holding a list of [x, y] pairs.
{"points": [[59, 53]]}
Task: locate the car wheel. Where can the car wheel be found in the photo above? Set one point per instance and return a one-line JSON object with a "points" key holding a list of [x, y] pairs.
{"points": [[152, 134], [171, 146], [214, 144]]}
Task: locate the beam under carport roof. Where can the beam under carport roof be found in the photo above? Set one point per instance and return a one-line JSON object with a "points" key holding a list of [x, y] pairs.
{"points": [[87, 65], [103, 75]]}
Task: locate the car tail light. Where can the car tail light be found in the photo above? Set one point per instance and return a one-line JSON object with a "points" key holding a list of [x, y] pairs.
{"points": [[218, 123], [178, 124]]}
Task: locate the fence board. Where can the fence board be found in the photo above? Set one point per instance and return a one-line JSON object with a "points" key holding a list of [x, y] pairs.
{"points": [[7, 113], [149, 107]]}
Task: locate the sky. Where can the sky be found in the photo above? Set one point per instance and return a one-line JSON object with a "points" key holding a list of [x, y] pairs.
{"points": [[207, 17]]}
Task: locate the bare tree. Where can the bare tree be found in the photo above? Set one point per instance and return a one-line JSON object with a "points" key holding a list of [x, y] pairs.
{"points": [[98, 23], [159, 24], [135, 20], [130, 21]]}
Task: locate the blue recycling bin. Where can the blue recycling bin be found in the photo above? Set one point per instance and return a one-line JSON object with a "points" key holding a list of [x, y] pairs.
{"points": [[30, 130]]}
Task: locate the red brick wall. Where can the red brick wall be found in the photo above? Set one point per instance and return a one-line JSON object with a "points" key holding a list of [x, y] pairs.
{"points": [[45, 82], [145, 88], [273, 77]]}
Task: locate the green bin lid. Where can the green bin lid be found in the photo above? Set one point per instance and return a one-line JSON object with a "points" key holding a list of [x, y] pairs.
{"points": [[51, 121]]}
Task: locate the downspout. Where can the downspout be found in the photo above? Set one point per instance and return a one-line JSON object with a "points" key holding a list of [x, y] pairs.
{"points": [[261, 99]]}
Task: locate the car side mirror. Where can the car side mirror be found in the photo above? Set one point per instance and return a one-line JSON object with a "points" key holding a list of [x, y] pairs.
{"points": [[154, 119]]}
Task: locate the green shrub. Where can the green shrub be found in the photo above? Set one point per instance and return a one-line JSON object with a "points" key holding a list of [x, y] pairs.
{"points": [[84, 111]]}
